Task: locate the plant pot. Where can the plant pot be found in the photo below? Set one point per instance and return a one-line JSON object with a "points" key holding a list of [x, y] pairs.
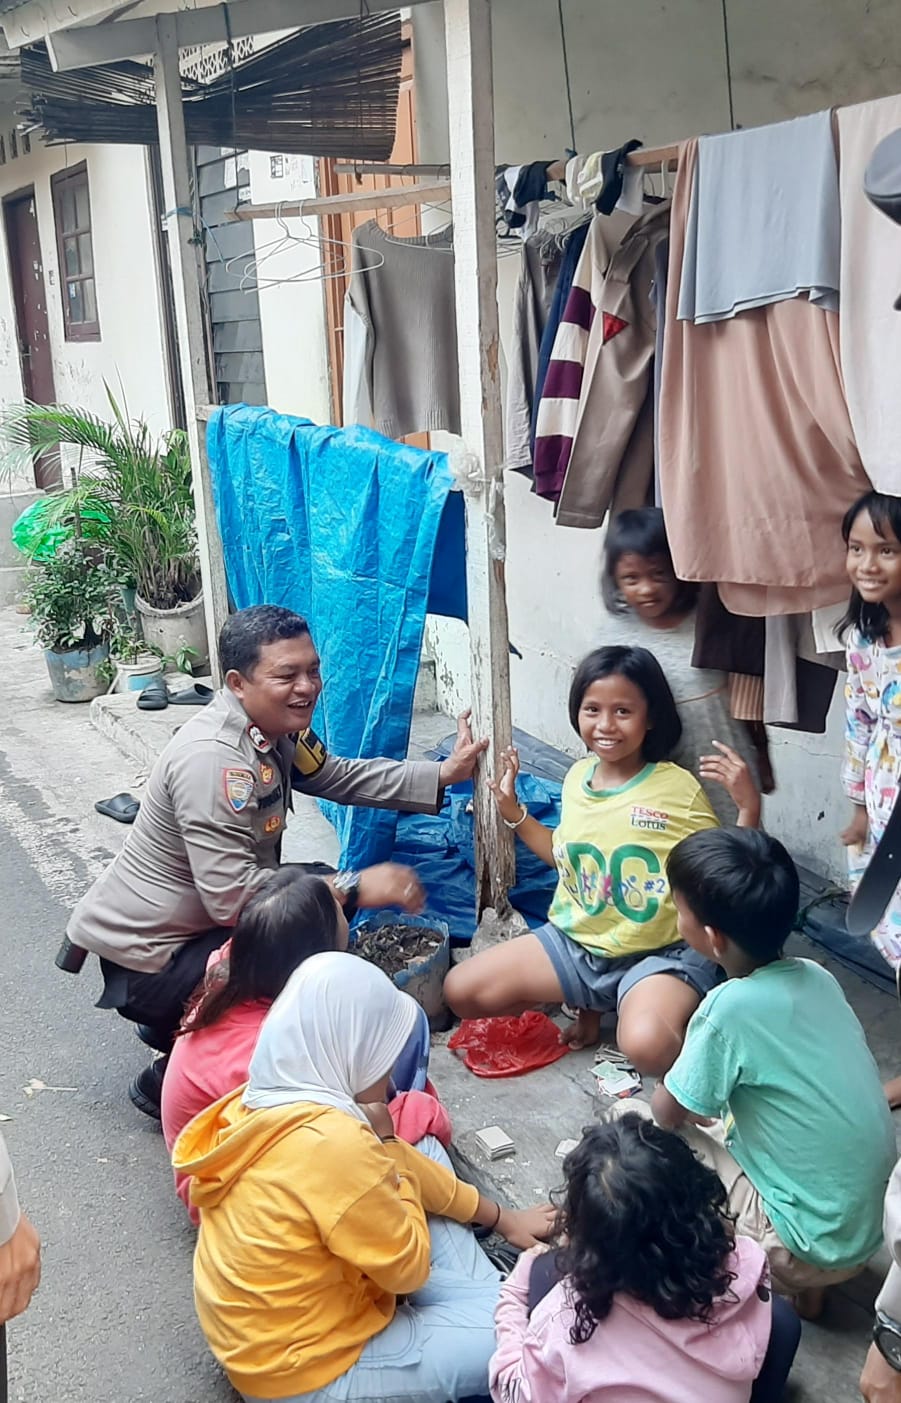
{"points": [[170, 630], [73, 673], [422, 976], [133, 677]]}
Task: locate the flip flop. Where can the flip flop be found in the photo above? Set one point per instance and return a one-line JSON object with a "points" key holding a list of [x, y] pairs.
{"points": [[154, 697], [122, 807], [198, 695]]}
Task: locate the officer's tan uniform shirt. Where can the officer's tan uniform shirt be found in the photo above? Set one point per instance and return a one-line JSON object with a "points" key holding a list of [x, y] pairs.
{"points": [[208, 831]]}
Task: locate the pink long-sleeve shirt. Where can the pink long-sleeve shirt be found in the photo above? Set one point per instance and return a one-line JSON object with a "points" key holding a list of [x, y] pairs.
{"points": [[634, 1355]]}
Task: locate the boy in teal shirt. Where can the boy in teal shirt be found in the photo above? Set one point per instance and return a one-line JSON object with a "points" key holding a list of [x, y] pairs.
{"points": [[806, 1145]]}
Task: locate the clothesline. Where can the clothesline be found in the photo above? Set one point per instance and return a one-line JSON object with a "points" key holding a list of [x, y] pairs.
{"points": [[437, 188]]}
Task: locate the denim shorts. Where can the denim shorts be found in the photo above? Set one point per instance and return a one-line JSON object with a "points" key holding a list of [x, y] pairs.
{"points": [[599, 982]]}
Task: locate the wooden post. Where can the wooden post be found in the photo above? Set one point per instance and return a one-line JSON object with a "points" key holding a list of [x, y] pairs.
{"points": [[471, 116], [189, 321]]}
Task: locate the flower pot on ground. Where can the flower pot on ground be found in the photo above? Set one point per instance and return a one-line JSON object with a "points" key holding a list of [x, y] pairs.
{"points": [[140, 486], [134, 676], [71, 601], [133, 664], [78, 674], [176, 632]]}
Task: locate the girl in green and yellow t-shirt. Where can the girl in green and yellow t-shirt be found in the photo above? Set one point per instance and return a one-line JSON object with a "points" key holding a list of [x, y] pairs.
{"points": [[610, 941]]}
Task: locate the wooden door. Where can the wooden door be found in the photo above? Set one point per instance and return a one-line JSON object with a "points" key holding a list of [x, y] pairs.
{"points": [[26, 268], [406, 222]]}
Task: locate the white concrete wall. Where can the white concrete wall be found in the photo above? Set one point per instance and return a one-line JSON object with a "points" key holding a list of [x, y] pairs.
{"points": [[129, 356], [292, 305], [653, 69]]}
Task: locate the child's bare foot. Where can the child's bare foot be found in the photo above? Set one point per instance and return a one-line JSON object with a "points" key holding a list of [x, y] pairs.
{"points": [[892, 1091], [809, 1304], [584, 1032]]}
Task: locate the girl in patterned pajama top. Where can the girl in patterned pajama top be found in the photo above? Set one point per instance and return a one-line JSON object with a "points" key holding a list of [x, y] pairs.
{"points": [[871, 772]]}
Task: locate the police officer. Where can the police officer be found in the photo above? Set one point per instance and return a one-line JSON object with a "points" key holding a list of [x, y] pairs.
{"points": [[209, 829]]}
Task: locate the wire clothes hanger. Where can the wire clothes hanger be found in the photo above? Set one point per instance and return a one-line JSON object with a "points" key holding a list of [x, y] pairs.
{"points": [[248, 269]]}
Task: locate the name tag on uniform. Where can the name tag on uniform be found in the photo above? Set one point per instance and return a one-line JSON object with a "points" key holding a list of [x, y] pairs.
{"points": [[309, 754]]}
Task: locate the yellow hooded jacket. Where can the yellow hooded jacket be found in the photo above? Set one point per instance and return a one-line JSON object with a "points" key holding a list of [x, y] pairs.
{"points": [[310, 1229]]}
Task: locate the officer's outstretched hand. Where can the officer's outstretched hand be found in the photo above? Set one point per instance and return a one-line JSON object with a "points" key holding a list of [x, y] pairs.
{"points": [[391, 884], [462, 761]]}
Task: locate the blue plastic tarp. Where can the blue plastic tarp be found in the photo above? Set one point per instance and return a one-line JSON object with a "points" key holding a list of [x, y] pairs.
{"points": [[441, 850], [361, 535]]}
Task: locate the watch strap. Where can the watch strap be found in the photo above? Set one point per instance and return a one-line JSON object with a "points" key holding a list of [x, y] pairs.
{"points": [[887, 1338], [348, 884]]}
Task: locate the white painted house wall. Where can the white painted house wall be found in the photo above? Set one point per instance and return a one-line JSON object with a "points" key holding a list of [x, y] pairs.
{"points": [[129, 356], [653, 69], [292, 307]]}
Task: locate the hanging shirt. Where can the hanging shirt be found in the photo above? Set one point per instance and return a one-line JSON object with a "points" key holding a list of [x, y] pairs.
{"points": [[758, 462], [764, 222], [610, 848], [402, 289], [610, 463], [541, 257], [870, 326], [576, 384]]}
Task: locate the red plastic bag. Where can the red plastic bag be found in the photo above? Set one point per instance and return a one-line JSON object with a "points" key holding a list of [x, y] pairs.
{"points": [[507, 1047]]}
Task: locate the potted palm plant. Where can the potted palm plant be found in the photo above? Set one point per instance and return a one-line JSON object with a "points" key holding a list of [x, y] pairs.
{"points": [[70, 598], [139, 489]]}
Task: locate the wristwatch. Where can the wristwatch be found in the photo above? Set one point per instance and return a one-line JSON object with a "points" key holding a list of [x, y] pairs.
{"points": [[347, 884], [887, 1339]]}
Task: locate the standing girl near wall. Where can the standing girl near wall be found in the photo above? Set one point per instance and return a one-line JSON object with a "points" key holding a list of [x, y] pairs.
{"points": [[650, 607], [871, 773]]}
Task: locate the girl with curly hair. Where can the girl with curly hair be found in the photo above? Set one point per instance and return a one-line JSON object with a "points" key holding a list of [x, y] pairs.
{"points": [[650, 1296]]}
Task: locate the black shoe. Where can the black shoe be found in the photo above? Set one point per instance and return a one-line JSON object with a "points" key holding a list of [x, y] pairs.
{"points": [[155, 1038], [146, 1089]]}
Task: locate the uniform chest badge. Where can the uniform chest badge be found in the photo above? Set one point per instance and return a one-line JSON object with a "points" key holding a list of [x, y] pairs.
{"points": [[238, 789], [258, 740], [272, 825], [267, 773]]}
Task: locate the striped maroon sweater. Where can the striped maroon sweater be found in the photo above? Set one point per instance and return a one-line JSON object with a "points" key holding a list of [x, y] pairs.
{"points": [[558, 412]]}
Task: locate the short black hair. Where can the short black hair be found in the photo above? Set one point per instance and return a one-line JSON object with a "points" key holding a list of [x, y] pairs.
{"points": [[640, 1214], [639, 531], [739, 881], [643, 670], [871, 620], [245, 633]]}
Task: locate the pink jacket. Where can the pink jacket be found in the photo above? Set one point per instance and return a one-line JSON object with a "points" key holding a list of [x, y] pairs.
{"points": [[634, 1356]]}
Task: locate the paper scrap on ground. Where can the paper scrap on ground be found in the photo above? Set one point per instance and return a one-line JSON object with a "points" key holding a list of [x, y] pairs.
{"points": [[615, 1081]]}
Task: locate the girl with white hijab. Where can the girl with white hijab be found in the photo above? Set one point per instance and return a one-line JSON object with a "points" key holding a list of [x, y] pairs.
{"points": [[332, 1263]]}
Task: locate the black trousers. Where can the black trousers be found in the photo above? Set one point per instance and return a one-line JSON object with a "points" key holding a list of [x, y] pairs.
{"points": [[157, 1001]]}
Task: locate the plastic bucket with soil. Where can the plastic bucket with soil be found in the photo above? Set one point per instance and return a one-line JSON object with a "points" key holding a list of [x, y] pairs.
{"points": [[414, 951]]}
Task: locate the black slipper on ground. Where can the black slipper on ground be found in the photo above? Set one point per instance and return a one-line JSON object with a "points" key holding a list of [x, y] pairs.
{"points": [[154, 697], [198, 695], [122, 807]]}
